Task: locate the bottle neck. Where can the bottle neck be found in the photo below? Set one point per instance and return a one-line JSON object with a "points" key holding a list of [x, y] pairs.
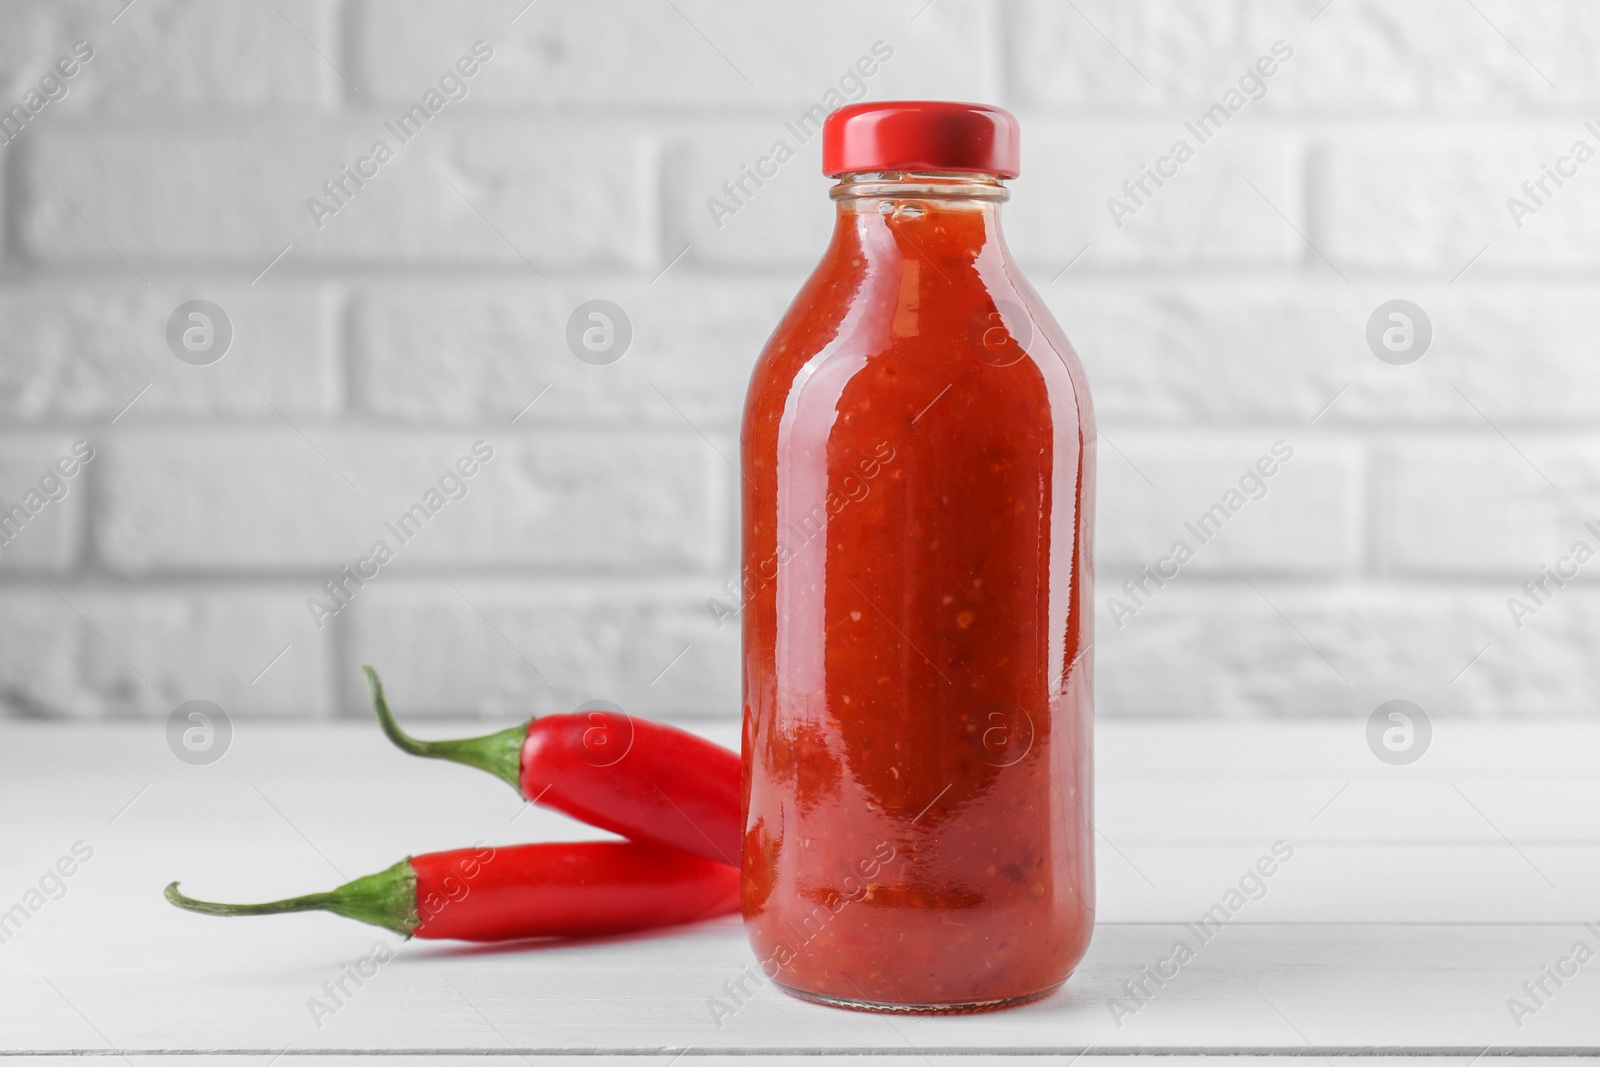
{"points": [[936, 216], [920, 185]]}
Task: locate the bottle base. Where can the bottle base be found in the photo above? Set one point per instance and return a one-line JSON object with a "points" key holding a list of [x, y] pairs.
{"points": [[967, 1008]]}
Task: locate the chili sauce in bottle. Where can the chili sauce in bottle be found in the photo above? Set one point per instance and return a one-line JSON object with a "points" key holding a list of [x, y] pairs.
{"points": [[918, 498]]}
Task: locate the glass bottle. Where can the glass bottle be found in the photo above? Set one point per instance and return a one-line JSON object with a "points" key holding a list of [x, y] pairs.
{"points": [[918, 491]]}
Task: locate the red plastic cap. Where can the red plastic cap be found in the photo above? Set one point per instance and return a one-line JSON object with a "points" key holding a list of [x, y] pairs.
{"points": [[921, 135]]}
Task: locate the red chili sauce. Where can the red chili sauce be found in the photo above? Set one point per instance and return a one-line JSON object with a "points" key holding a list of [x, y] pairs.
{"points": [[918, 461]]}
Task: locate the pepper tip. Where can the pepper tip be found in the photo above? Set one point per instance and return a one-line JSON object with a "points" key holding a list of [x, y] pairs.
{"points": [[177, 899]]}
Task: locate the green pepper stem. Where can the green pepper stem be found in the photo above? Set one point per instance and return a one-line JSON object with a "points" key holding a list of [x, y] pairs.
{"points": [[498, 753], [387, 899]]}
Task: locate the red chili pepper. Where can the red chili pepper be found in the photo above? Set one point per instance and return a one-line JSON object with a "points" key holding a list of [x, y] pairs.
{"points": [[567, 889], [644, 780]]}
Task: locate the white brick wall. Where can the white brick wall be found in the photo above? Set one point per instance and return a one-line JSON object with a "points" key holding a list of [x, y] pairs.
{"points": [[426, 314]]}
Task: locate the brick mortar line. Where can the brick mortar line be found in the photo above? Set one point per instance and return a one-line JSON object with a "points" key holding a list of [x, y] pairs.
{"points": [[348, 32], [11, 210], [610, 580], [18, 273], [644, 119], [621, 585], [365, 428], [239, 427]]}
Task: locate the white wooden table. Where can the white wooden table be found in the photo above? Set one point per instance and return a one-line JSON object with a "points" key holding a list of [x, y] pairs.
{"points": [[1418, 901]]}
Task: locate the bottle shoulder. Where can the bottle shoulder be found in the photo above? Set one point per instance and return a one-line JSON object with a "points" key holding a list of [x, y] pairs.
{"points": [[880, 340]]}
